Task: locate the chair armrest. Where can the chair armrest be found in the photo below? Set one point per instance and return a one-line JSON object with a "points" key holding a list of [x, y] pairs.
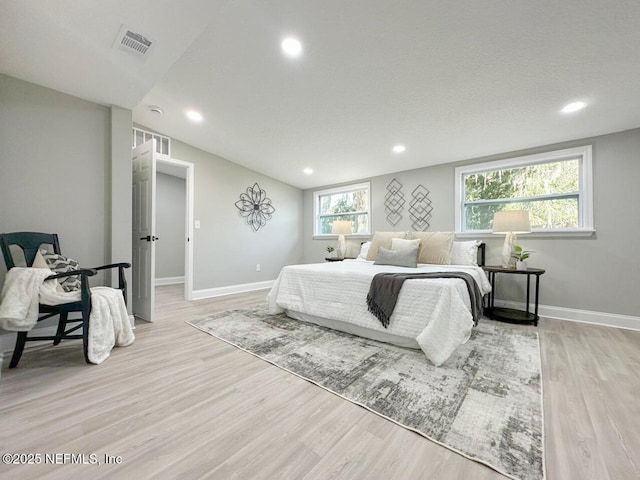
{"points": [[113, 265], [122, 281], [89, 272]]}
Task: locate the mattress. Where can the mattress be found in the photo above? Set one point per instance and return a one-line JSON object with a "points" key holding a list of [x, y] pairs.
{"points": [[432, 314]]}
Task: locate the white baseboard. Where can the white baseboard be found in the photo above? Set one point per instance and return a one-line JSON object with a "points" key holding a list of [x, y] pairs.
{"points": [[231, 289], [574, 315], [8, 339], [169, 280]]}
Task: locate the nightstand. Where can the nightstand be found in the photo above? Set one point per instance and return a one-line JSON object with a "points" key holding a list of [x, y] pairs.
{"points": [[511, 314]]}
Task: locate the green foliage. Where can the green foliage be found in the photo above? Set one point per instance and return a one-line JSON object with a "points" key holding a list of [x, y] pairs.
{"points": [[330, 249], [524, 184], [519, 254], [344, 206]]}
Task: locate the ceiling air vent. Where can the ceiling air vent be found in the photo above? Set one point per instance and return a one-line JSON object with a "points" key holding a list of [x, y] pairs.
{"points": [[133, 42]]}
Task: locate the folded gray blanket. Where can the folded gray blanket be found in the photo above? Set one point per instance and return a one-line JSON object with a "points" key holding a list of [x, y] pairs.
{"points": [[385, 287]]}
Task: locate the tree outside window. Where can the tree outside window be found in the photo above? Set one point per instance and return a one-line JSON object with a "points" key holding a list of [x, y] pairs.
{"points": [[349, 203], [553, 187]]}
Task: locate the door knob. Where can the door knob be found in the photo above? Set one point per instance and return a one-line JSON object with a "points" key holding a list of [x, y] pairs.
{"points": [[150, 238]]}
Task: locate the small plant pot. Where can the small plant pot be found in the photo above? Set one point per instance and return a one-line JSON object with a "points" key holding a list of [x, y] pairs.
{"points": [[521, 265]]}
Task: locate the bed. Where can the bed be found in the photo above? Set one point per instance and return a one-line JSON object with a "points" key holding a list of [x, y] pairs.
{"points": [[431, 314]]}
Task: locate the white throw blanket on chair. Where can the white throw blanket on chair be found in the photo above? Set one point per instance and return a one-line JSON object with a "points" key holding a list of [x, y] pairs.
{"points": [[24, 288]]}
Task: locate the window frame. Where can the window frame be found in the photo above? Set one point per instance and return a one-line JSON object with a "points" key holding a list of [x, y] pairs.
{"points": [[162, 141], [585, 192], [341, 189]]}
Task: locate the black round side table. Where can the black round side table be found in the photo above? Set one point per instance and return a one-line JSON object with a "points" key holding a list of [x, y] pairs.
{"points": [[512, 314]]}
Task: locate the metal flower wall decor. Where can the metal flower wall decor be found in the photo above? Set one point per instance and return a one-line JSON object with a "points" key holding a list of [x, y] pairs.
{"points": [[255, 207]]}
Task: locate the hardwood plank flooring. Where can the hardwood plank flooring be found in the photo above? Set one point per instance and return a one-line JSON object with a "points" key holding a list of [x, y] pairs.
{"points": [[181, 404]]}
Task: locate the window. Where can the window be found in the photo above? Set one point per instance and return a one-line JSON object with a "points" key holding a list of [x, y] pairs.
{"points": [[555, 188], [163, 144], [350, 202]]}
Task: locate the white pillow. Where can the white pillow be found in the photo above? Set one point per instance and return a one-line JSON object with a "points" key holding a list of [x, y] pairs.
{"points": [[364, 250], [465, 253], [40, 262], [402, 244]]}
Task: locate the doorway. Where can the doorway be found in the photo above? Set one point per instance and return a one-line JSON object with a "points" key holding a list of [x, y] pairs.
{"points": [[174, 220], [170, 226], [145, 161]]}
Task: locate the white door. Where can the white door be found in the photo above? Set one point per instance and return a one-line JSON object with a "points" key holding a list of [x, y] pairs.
{"points": [[144, 228]]}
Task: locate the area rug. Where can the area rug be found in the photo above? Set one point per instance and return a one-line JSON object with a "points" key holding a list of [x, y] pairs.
{"points": [[485, 402]]}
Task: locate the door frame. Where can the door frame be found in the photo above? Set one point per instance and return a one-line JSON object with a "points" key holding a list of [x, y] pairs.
{"points": [[189, 202]]}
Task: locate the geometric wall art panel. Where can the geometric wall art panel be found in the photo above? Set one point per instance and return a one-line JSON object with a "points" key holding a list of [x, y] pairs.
{"points": [[420, 209], [394, 202]]}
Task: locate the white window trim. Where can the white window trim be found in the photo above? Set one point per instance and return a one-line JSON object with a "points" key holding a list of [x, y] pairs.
{"points": [[585, 201], [158, 138], [342, 189]]}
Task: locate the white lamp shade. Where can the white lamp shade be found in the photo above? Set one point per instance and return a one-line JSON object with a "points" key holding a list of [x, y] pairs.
{"points": [[511, 221], [341, 227]]}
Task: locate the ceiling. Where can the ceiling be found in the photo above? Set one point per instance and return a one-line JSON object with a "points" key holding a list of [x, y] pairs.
{"points": [[449, 80]]}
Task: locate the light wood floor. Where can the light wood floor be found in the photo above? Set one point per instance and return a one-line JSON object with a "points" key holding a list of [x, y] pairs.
{"points": [[181, 404]]}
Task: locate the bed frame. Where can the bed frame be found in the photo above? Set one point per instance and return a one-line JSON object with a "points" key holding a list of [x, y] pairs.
{"points": [[481, 254]]}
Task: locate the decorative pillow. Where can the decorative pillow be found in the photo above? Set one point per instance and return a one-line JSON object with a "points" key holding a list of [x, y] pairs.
{"points": [[435, 247], [364, 249], [402, 244], [401, 258], [60, 264], [465, 253], [39, 261], [382, 239]]}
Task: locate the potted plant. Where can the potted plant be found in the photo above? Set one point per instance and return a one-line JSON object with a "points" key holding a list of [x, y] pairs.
{"points": [[521, 257], [330, 250]]}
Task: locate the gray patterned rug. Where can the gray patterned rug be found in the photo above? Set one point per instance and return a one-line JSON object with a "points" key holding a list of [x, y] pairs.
{"points": [[485, 402]]}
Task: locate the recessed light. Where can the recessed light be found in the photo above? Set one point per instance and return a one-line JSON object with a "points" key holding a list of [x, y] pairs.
{"points": [[291, 46], [194, 116], [399, 149], [307, 171], [573, 107]]}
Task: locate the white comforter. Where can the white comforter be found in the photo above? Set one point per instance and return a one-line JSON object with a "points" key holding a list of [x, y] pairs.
{"points": [[434, 312], [24, 288]]}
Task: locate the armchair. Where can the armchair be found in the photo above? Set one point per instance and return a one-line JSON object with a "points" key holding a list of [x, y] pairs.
{"points": [[29, 243]]}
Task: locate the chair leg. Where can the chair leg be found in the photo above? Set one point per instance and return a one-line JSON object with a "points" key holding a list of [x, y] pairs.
{"points": [[62, 325], [85, 335], [19, 348]]}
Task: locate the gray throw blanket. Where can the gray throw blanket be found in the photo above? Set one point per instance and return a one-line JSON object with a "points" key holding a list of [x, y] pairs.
{"points": [[385, 287]]}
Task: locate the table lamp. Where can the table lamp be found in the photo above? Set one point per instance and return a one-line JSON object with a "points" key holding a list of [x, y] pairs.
{"points": [[510, 222], [341, 228]]}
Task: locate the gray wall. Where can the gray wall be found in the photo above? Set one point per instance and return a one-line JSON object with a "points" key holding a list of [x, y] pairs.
{"points": [[65, 168], [170, 225], [55, 156], [49, 140], [226, 249], [121, 197], [598, 273]]}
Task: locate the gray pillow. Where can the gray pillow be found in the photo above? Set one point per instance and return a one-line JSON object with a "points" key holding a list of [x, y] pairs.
{"points": [[407, 257]]}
